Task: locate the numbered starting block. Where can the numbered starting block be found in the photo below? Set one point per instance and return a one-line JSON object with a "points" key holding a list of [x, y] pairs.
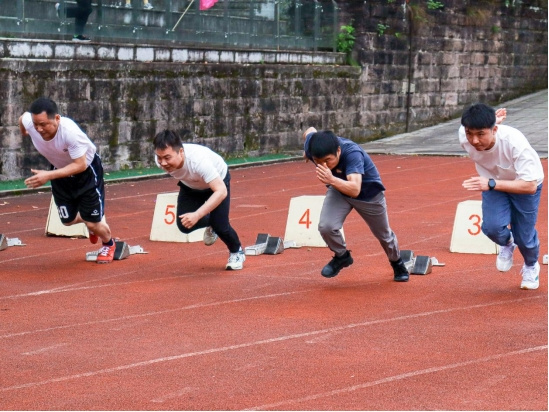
{"points": [[6, 242], [418, 265], [467, 236], [302, 223], [267, 244], [122, 251]]}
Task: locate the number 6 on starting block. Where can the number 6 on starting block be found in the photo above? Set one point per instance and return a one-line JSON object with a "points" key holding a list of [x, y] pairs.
{"points": [[467, 236], [164, 225], [302, 223]]}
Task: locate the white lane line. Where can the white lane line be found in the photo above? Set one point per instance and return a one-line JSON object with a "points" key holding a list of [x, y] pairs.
{"points": [[79, 285], [174, 395], [46, 349], [156, 313], [256, 343], [282, 405]]}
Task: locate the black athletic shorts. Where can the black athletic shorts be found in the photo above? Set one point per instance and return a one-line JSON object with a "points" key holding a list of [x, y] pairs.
{"points": [[83, 193]]}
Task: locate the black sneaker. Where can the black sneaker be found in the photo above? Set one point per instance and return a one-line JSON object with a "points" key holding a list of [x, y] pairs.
{"points": [[81, 38], [336, 264], [400, 271]]}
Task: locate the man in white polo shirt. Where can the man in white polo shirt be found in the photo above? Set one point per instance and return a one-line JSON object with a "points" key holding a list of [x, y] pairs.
{"points": [[204, 191], [510, 178], [76, 173]]}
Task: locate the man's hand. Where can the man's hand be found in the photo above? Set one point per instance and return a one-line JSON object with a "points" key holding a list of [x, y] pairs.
{"points": [[501, 114], [188, 220], [476, 183], [40, 177], [309, 130], [324, 174]]}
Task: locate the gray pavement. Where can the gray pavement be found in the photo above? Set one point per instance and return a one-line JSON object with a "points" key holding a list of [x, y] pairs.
{"points": [[527, 113]]}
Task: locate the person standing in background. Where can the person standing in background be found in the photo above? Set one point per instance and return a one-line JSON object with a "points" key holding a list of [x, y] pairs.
{"points": [[80, 13]]}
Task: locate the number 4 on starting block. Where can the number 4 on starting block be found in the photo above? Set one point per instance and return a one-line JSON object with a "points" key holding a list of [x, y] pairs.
{"points": [[467, 236], [164, 225], [302, 223]]}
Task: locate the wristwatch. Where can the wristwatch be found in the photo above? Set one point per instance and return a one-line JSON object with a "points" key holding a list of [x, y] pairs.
{"points": [[491, 184]]}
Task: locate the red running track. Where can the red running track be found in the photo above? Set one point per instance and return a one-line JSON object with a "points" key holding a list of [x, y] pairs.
{"points": [[172, 330]]}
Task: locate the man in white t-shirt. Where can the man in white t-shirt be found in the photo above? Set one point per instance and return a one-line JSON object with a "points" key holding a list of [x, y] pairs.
{"points": [[510, 178], [204, 191], [76, 173]]}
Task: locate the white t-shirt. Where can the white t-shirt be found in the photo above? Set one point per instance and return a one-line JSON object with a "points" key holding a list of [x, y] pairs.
{"points": [[201, 166], [68, 143], [510, 158]]}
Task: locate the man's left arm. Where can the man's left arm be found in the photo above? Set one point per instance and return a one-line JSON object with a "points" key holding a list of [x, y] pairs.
{"points": [[517, 186], [41, 177]]}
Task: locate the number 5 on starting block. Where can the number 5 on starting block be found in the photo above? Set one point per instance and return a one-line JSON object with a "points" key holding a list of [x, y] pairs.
{"points": [[467, 236], [164, 225], [302, 223]]}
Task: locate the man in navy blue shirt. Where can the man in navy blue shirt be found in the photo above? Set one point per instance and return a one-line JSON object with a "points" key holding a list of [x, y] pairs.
{"points": [[353, 183]]}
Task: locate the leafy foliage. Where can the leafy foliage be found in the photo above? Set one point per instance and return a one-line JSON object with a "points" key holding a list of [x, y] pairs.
{"points": [[346, 39]]}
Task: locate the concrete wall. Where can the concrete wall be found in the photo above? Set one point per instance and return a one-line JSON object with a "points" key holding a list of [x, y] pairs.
{"points": [[467, 51], [248, 102]]}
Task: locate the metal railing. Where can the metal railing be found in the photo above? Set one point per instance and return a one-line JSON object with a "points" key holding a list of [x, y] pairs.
{"points": [[263, 24]]}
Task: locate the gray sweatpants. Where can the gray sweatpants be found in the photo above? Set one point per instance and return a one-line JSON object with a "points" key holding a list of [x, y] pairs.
{"points": [[335, 209]]}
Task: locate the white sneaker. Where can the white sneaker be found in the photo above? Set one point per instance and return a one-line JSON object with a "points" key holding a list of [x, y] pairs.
{"points": [[148, 6], [530, 277], [209, 236], [128, 5], [236, 260], [504, 261]]}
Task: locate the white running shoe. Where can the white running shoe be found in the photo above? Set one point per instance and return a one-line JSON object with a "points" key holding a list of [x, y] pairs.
{"points": [[530, 277], [209, 236], [504, 261], [148, 6], [236, 260]]}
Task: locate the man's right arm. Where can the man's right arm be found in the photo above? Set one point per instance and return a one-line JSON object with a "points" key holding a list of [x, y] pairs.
{"points": [[305, 134], [22, 128]]}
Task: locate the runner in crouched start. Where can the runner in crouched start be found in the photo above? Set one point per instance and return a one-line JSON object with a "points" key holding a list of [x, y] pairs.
{"points": [[204, 191], [353, 183], [76, 173]]}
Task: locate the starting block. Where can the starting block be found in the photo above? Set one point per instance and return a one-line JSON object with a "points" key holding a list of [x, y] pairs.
{"points": [[275, 245], [422, 266], [418, 265], [467, 236], [267, 244], [408, 258], [302, 223], [122, 251], [164, 226], [6, 242], [545, 259]]}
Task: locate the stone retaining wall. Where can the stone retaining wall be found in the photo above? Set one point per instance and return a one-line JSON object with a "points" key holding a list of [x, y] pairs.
{"points": [[248, 102]]}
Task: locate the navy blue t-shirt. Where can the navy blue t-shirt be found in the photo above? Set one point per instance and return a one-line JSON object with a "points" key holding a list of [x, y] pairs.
{"points": [[354, 159]]}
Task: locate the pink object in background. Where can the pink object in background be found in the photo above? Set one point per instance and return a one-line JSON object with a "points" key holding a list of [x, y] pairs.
{"points": [[207, 4]]}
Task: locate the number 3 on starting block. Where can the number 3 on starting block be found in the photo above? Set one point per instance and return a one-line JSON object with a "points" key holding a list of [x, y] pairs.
{"points": [[302, 223], [467, 236], [164, 225]]}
